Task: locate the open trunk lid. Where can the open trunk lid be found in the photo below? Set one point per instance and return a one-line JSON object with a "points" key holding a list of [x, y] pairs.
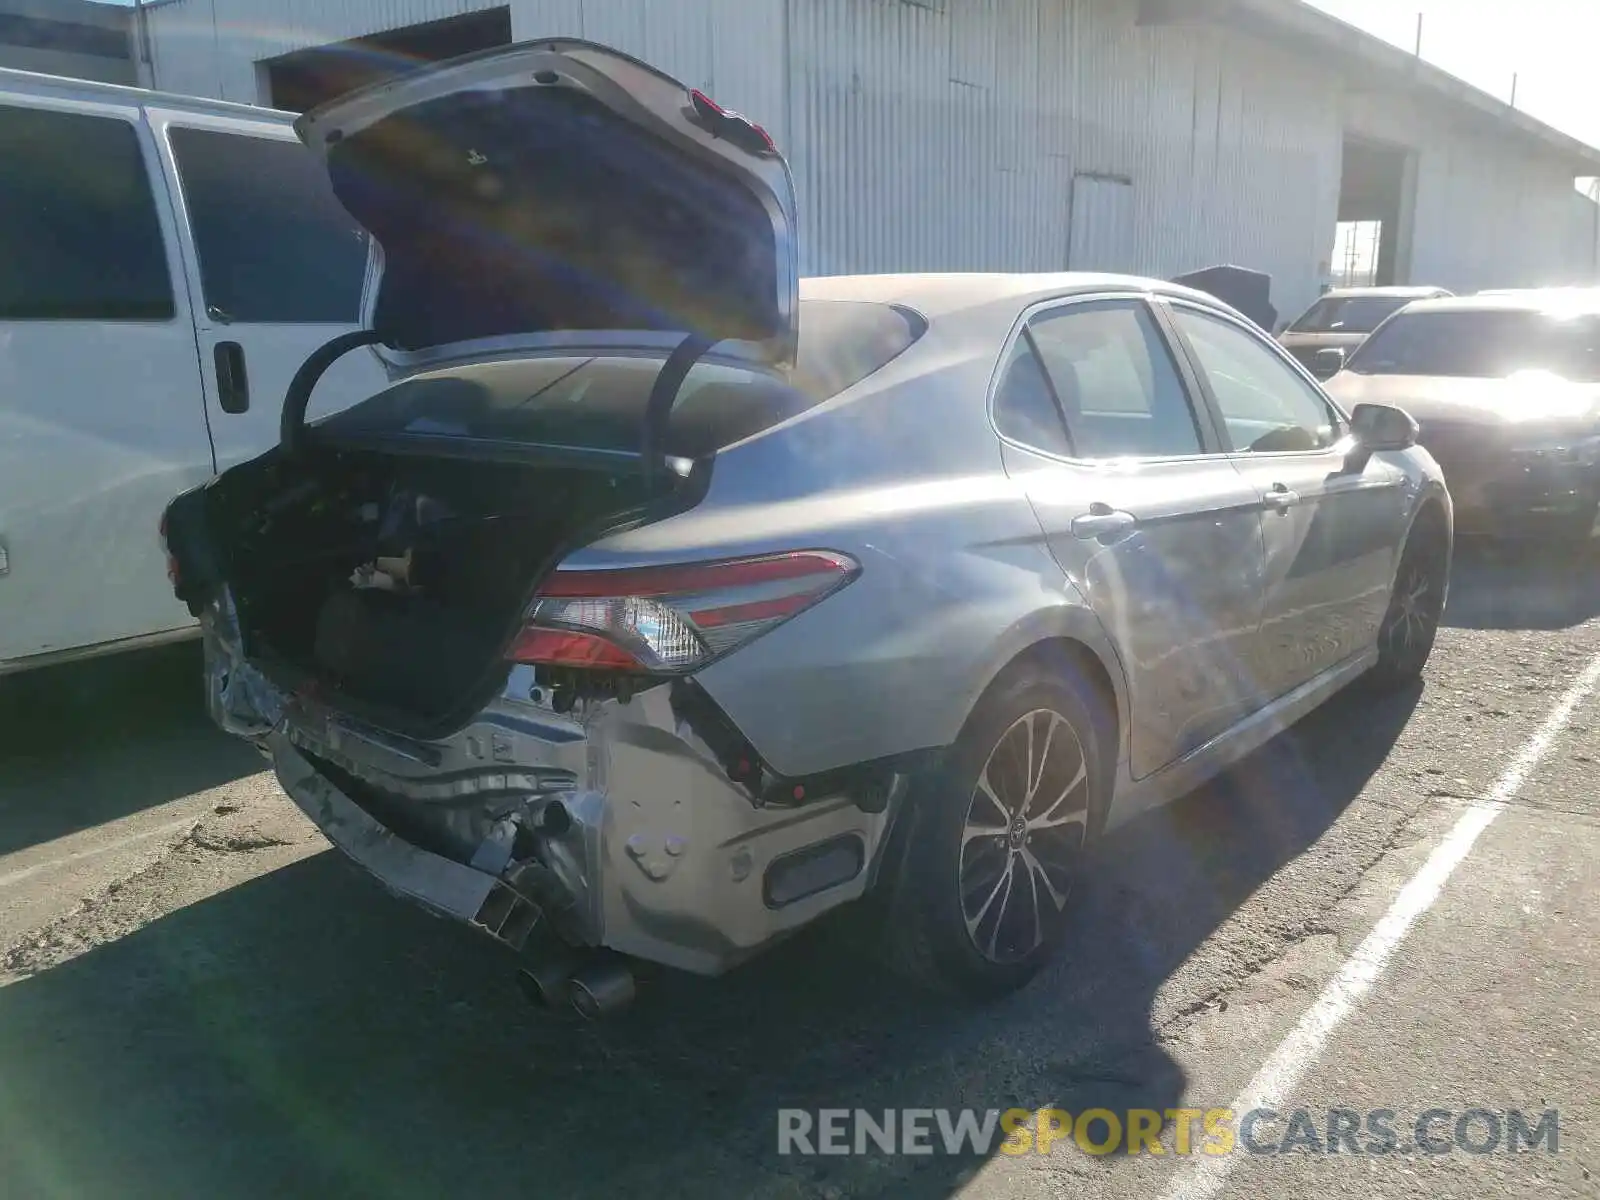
{"points": [[560, 192]]}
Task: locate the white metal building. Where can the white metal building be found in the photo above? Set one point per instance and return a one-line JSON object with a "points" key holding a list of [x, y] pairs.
{"points": [[1153, 136], [79, 38]]}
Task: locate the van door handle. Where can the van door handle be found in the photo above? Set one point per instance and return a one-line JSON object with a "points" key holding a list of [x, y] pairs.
{"points": [[233, 384], [1279, 496], [1102, 521]]}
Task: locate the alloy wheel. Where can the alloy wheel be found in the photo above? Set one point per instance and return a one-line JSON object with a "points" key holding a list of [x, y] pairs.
{"points": [[1026, 825], [1414, 613]]}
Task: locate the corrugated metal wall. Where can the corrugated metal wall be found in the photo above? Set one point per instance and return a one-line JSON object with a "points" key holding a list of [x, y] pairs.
{"points": [[1490, 211], [946, 134], [732, 48]]}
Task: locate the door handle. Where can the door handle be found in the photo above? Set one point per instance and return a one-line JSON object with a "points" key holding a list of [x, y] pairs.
{"points": [[1279, 496], [1102, 521], [233, 384]]}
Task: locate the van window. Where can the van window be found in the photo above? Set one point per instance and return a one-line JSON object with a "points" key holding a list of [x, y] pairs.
{"points": [[80, 238], [275, 247]]}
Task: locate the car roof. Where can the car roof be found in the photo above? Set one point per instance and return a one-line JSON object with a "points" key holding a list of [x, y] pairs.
{"points": [[14, 83], [1563, 301], [942, 295], [1342, 293]]}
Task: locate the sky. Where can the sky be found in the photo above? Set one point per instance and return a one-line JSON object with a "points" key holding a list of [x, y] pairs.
{"points": [[1549, 44]]}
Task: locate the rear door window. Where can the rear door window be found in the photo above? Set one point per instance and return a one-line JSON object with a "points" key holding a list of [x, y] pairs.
{"points": [[275, 247], [80, 237], [1115, 381]]}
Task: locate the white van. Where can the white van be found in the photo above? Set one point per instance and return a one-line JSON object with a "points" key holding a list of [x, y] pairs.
{"points": [[166, 264]]}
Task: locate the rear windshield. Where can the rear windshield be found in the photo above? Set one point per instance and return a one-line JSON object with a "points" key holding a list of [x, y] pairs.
{"points": [[599, 402], [1348, 314], [1483, 345]]}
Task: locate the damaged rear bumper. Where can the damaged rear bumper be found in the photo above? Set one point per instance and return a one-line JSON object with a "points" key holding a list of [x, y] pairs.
{"points": [[611, 826], [445, 888]]}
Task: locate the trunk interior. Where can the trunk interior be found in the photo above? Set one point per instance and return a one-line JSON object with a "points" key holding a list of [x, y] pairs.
{"points": [[396, 581]]}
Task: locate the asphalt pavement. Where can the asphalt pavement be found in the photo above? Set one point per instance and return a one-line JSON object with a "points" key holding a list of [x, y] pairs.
{"points": [[199, 998]]}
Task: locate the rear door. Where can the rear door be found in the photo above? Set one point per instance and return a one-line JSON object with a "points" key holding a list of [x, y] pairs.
{"points": [[1332, 519], [101, 417], [1142, 509], [276, 267]]}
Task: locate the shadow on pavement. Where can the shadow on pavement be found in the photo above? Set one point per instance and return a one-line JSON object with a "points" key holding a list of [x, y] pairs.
{"points": [[303, 1034], [1523, 585], [93, 741]]}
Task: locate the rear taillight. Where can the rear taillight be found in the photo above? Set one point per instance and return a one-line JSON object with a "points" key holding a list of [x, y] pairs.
{"points": [[672, 619], [731, 126], [166, 548]]}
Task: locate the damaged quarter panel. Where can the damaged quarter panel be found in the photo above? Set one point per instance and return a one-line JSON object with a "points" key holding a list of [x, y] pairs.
{"points": [[903, 474]]}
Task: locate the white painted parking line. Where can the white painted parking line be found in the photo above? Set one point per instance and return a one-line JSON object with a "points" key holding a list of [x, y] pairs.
{"points": [[1203, 1178], [132, 839]]}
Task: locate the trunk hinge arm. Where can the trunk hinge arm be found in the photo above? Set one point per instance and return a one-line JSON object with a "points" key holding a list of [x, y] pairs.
{"points": [[663, 394], [291, 425]]}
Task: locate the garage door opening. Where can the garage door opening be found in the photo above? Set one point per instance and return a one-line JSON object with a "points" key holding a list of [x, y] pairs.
{"points": [[1371, 243], [302, 80]]}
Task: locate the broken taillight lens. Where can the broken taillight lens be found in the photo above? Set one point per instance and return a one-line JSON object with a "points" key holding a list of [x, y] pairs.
{"points": [[674, 619]]}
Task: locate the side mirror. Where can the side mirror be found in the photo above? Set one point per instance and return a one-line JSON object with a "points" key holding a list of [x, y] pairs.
{"points": [[1328, 362], [1383, 427]]}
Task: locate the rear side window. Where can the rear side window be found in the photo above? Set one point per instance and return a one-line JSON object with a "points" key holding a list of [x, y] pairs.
{"points": [[844, 341], [80, 238], [1025, 408], [275, 246]]}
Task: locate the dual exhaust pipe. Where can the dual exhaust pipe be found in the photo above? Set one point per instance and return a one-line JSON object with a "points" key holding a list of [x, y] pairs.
{"points": [[593, 988]]}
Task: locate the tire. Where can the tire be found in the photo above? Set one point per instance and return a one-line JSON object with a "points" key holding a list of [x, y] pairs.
{"points": [[954, 924], [1411, 624]]}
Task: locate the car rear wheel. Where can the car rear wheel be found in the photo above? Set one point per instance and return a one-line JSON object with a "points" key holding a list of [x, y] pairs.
{"points": [[998, 837], [1406, 637]]}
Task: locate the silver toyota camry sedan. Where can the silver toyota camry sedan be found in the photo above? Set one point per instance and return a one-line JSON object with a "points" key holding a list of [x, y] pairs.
{"points": [[667, 601]]}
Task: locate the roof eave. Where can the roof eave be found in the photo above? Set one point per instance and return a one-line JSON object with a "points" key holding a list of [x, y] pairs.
{"points": [[1312, 31]]}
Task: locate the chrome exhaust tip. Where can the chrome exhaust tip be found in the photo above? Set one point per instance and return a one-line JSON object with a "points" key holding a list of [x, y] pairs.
{"points": [[600, 989], [547, 984]]}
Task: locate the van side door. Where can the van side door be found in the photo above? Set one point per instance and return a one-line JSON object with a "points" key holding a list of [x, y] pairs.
{"points": [[276, 267], [101, 413]]}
